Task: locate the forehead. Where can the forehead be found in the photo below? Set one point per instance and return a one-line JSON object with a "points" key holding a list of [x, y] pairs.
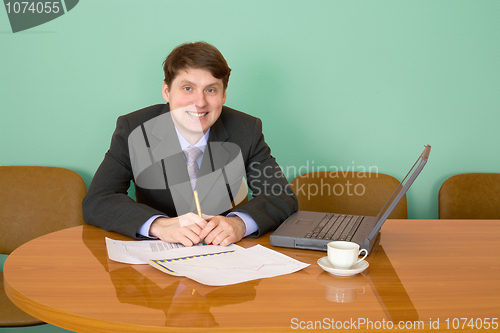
{"points": [[196, 76]]}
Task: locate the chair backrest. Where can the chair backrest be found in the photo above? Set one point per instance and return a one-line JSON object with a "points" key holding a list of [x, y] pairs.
{"points": [[37, 200], [356, 193], [470, 196]]}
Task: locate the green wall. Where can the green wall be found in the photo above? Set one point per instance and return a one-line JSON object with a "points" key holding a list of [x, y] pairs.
{"points": [[336, 83]]}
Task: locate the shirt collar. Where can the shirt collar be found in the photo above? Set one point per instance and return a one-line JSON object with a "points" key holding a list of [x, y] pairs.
{"points": [[201, 144]]}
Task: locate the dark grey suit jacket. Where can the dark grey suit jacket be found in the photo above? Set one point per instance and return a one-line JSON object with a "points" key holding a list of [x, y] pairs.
{"points": [[108, 206]]}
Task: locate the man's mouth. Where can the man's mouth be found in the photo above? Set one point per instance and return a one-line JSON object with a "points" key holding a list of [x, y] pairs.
{"points": [[196, 114]]}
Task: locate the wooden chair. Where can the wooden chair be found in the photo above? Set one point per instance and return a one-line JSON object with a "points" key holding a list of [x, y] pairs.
{"points": [[356, 193], [34, 201], [470, 196]]}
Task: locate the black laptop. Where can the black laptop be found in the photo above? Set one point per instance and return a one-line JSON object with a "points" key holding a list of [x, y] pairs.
{"points": [[314, 230]]}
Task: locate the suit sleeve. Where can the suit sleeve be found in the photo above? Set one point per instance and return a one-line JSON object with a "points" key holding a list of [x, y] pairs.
{"points": [[273, 199], [107, 204]]}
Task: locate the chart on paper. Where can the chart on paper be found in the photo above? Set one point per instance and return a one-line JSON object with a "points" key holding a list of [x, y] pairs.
{"points": [[138, 252], [230, 267]]}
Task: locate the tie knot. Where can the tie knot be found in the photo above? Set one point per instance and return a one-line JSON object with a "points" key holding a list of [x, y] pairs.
{"points": [[192, 153]]}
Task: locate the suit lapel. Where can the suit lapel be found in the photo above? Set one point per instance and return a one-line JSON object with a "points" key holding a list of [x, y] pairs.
{"points": [[219, 158], [215, 158], [165, 142], [165, 146]]}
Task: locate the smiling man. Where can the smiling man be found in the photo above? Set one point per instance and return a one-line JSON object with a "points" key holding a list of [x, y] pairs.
{"points": [[193, 142]]}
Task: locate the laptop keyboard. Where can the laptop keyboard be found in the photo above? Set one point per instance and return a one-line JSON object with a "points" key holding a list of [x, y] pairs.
{"points": [[336, 227]]}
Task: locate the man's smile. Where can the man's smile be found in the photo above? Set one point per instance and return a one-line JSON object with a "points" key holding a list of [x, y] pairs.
{"points": [[196, 114]]}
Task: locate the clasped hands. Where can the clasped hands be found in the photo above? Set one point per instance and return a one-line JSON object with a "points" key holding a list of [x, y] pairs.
{"points": [[190, 229]]}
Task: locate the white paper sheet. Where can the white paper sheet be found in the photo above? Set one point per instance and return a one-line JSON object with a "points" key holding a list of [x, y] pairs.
{"points": [[140, 252], [212, 265], [231, 266], [127, 251]]}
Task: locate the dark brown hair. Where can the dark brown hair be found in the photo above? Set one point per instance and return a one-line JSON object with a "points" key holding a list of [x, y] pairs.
{"points": [[199, 55]]}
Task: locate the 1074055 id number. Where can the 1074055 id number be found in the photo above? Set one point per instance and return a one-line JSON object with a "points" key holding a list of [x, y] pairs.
{"points": [[33, 7], [472, 323]]}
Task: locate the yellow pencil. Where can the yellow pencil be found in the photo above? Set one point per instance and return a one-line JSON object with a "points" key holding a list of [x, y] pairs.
{"points": [[197, 201], [198, 207]]}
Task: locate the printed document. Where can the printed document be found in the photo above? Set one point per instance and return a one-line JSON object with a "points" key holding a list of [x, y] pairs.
{"points": [[211, 265]]}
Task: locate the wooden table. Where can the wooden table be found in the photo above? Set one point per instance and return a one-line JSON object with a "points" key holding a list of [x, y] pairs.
{"points": [[421, 272]]}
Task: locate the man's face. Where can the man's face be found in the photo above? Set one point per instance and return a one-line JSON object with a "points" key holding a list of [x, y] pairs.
{"points": [[196, 100]]}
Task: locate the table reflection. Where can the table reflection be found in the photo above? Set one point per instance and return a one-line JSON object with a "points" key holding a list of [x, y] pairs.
{"points": [[382, 278], [388, 288], [184, 302], [341, 289], [188, 303]]}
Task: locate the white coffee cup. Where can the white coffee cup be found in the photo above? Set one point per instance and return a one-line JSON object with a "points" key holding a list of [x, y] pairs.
{"points": [[344, 255]]}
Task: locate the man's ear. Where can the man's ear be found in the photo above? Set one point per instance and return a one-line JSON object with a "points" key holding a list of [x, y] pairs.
{"points": [[224, 98], [164, 92]]}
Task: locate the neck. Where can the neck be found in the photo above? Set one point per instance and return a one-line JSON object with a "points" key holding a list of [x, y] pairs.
{"points": [[191, 137]]}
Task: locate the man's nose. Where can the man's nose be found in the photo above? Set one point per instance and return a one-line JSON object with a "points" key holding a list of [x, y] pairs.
{"points": [[200, 99]]}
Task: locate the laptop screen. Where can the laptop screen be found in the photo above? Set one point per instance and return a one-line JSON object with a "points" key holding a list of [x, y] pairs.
{"points": [[400, 191]]}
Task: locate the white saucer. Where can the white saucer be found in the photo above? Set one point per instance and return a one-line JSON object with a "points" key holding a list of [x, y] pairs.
{"points": [[327, 266]]}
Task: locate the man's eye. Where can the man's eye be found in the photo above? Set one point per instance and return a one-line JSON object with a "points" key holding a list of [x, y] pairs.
{"points": [[210, 90], [187, 88]]}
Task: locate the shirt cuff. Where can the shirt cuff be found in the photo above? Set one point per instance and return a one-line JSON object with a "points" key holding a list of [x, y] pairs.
{"points": [[250, 224], [144, 229]]}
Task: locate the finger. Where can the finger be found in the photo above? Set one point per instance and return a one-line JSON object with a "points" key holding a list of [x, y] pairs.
{"points": [[177, 237], [201, 222], [189, 219], [208, 228], [227, 241], [188, 238], [211, 238], [193, 228], [223, 238]]}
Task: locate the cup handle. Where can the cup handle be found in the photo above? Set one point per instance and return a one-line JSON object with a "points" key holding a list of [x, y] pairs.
{"points": [[366, 253]]}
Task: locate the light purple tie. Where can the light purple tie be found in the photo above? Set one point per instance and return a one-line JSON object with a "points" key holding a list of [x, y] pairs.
{"points": [[192, 153]]}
